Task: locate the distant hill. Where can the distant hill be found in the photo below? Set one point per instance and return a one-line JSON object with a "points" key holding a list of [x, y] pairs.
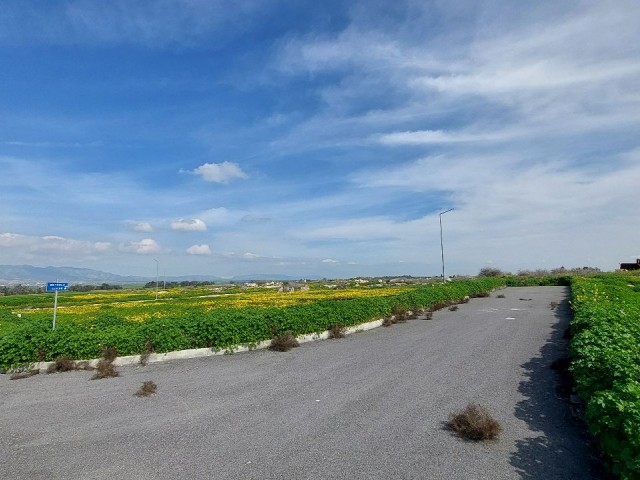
{"points": [[28, 274]]}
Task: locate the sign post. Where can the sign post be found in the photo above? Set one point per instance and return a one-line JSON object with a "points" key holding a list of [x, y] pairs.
{"points": [[56, 287]]}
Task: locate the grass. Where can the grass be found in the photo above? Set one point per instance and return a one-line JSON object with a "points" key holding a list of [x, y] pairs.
{"points": [[284, 342], [474, 423], [147, 389]]}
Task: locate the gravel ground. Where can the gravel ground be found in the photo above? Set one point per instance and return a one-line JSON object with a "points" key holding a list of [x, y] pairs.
{"points": [[372, 405]]}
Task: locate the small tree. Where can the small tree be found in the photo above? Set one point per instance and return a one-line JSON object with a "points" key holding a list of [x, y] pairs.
{"points": [[490, 272]]}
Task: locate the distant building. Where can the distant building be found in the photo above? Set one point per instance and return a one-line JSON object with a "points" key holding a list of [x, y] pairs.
{"points": [[630, 266]]}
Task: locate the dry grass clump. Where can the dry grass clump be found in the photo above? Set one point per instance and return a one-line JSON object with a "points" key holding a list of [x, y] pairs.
{"points": [[474, 423], [400, 314], [387, 321], [453, 308], [337, 331], [62, 364], [284, 342], [500, 296], [148, 350], [105, 367], [147, 389], [19, 375], [481, 295]]}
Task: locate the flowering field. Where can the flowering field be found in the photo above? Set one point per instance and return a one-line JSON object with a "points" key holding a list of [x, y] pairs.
{"points": [[184, 318], [141, 305]]}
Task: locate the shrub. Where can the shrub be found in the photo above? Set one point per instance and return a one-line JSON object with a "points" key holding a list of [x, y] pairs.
{"points": [[148, 350], [400, 314], [62, 364], [337, 331], [109, 354], [284, 342], [474, 423], [605, 349], [490, 272], [105, 369]]}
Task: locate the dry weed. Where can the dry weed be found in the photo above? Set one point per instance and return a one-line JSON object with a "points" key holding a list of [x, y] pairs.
{"points": [[284, 342], [474, 423], [147, 389]]}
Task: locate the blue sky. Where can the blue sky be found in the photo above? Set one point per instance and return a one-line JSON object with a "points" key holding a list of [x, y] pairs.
{"points": [[319, 138]]}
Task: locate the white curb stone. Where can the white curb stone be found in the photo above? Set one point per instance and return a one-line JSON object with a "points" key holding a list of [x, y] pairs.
{"points": [[130, 360]]}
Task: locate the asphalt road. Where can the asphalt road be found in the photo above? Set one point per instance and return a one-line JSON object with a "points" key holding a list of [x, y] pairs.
{"points": [[369, 406]]}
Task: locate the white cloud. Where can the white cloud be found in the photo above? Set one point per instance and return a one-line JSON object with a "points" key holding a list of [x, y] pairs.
{"points": [[250, 256], [145, 246], [329, 260], [102, 246], [199, 250], [14, 240], [427, 137], [142, 227], [189, 225], [220, 172], [52, 243], [152, 24], [215, 216]]}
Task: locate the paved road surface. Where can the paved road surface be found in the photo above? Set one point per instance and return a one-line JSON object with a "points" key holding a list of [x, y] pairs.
{"points": [[370, 406]]}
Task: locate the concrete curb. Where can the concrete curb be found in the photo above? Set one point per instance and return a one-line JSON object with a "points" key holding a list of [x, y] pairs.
{"points": [[130, 360]]}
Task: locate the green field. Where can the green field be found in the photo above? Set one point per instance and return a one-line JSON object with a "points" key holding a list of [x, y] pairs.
{"points": [[605, 349], [131, 321]]}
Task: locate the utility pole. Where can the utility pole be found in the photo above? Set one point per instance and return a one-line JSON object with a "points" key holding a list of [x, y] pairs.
{"points": [[441, 243], [155, 260]]}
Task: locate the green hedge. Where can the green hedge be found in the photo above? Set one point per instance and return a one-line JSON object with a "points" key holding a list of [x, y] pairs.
{"points": [[605, 351], [221, 328]]}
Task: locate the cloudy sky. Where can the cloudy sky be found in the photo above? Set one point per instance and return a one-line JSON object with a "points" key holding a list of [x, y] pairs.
{"points": [[319, 138]]}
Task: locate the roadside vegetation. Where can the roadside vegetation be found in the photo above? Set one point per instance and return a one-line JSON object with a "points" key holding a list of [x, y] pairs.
{"points": [[216, 320], [605, 350]]}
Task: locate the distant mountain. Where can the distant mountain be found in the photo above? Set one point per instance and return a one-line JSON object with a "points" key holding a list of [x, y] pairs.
{"points": [[28, 274]]}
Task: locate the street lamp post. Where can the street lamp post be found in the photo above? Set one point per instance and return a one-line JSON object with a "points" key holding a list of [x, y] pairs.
{"points": [[441, 243], [155, 260]]}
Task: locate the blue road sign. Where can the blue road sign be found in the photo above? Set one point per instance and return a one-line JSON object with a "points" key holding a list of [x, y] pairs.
{"points": [[57, 287]]}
